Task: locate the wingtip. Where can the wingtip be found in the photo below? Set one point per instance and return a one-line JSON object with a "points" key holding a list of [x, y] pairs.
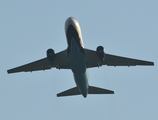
{"points": [[148, 63], [151, 63], [8, 71]]}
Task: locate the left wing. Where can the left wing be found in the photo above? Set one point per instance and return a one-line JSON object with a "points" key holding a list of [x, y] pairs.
{"points": [[92, 60], [60, 61]]}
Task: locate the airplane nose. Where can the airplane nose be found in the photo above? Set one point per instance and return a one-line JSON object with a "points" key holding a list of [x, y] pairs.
{"points": [[71, 21]]}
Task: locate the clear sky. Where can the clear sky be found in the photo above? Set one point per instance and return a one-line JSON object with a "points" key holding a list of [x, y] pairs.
{"points": [[124, 27]]}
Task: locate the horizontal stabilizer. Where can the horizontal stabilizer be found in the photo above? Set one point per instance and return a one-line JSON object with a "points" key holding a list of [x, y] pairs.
{"points": [[72, 91], [96, 90], [92, 90]]}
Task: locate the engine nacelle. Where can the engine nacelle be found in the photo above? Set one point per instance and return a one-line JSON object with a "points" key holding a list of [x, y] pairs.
{"points": [[100, 52], [50, 54]]}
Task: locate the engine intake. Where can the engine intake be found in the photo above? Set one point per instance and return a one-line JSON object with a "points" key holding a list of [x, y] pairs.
{"points": [[100, 52], [50, 54]]}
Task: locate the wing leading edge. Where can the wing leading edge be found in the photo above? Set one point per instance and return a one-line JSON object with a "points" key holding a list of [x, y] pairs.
{"points": [[60, 61], [92, 60]]}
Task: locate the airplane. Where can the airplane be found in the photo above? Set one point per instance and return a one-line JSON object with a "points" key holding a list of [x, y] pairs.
{"points": [[78, 59]]}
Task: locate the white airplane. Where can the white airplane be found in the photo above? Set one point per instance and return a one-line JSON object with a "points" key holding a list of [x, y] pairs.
{"points": [[78, 59]]}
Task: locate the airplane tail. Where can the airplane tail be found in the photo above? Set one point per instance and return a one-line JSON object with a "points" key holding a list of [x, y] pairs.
{"points": [[70, 92], [92, 90], [96, 90]]}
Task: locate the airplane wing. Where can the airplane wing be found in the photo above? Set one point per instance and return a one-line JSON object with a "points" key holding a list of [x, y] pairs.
{"points": [[60, 61], [92, 60]]}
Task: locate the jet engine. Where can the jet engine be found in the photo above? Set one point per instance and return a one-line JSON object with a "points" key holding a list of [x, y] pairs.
{"points": [[100, 52], [50, 54]]}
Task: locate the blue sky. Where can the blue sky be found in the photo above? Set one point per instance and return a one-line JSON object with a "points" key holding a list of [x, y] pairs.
{"points": [[125, 28]]}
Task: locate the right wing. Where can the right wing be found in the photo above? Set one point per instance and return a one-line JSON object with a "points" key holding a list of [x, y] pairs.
{"points": [[92, 60], [60, 61]]}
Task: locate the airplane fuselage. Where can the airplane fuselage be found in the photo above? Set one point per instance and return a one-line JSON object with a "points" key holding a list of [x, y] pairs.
{"points": [[76, 54]]}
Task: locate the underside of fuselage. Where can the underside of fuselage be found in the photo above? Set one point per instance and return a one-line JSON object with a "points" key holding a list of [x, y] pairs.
{"points": [[76, 57], [78, 67]]}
